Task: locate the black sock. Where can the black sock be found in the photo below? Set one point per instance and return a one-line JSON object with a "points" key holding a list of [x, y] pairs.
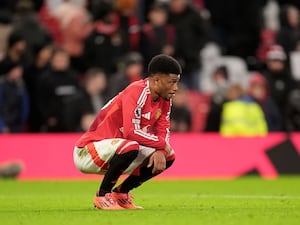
{"points": [[134, 181], [117, 165]]}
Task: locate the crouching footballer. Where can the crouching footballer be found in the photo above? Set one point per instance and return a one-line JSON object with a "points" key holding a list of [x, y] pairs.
{"points": [[130, 135]]}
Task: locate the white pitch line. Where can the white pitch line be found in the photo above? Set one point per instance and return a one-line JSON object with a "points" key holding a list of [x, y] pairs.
{"points": [[249, 196]]}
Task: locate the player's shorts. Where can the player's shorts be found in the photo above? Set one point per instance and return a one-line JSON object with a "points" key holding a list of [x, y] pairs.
{"points": [[95, 157]]}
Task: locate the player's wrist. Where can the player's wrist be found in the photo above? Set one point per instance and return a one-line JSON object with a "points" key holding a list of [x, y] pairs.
{"points": [[163, 152]]}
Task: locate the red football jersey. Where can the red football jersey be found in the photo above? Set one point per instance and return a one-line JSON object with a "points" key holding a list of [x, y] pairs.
{"points": [[132, 115]]}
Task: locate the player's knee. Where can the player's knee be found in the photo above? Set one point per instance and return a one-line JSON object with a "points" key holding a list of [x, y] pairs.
{"points": [[128, 146]]}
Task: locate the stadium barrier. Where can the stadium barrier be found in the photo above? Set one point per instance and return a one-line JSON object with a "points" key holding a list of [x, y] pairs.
{"points": [[207, 156]]}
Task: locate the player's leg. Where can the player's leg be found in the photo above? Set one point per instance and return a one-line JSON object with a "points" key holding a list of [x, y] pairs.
{"points": [[110, 157], [145, 173], [121, 193]]}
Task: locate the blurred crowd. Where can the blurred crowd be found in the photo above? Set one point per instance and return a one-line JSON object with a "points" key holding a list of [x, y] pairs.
{"points": [[61, 61]]}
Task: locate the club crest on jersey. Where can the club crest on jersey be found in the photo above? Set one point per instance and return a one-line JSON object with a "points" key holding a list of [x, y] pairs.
{"points": [[115, 141], [138, 112], [157, 114]]}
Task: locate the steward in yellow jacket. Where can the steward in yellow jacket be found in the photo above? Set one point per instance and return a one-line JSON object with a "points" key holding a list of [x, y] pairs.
{"points": [[243, 117]]}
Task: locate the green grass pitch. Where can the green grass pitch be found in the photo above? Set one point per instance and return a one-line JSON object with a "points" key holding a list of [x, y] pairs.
{"points": [[250, 200]]}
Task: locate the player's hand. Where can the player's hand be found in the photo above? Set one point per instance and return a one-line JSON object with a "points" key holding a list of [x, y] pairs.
{"points": [[158, 160], [168, 148]]}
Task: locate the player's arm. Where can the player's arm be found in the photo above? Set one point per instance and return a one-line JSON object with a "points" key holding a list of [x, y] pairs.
{"points": [[132, 108], [162, 126]]}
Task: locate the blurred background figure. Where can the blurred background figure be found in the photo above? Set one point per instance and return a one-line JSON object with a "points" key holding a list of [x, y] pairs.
{"points": [[241, 115], [289, 33], [258, 89], [278, 77], [181, 117], [82, 108], [75, 27], [27, 24], [14, 101], [55, 86], [15, 53], [10, 170], [129, 28], [130, 70], [157, 36], [219, 86], [191, 35], [105, 45], [236, 26], [31, 77], [292, 117]]}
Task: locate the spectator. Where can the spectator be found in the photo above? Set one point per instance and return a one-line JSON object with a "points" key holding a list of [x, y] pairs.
{"points": [[55, 86], [289, 33], [31, 77], [278, 77], [75, 27], [236, 25], [15, 52], [219, 86], [104, 46], [258, 89], [128, 24], [131, 71], [82, 108], [292, 118], [14, 102], [241, 115], [191, 35], [33, 32], [157, 36], [180, 118]]}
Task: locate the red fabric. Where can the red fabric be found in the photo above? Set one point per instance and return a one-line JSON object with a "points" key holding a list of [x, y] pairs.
{"points": [[134, 116], [134, 33], [51, 24], [96, 158], [127, 146]]}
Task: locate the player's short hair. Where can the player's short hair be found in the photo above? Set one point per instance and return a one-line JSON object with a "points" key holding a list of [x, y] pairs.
{"points": [[164, 64]]}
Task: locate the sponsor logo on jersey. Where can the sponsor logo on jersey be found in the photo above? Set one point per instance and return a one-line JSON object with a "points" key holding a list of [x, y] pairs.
{"points": [[147, 115]]}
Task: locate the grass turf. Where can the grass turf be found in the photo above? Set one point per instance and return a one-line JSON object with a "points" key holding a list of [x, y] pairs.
{"points": [[242, 201]]}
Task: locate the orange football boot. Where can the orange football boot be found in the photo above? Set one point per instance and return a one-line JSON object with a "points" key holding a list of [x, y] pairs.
{"points": [[125, 200]]}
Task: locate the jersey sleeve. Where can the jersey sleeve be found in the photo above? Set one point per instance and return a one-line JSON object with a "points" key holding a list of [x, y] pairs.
{"points": [[162, 125], [132, 107]]}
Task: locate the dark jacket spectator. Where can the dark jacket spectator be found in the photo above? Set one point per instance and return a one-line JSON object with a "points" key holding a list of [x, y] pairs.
{"points": [[14, 101], [128, 23], [289, 34], [181, 117], [31, 77], [236, 25], [258, 89], [157, 36], [105, 46], [27, 24], [15, 52], [82, 108], [220, 84], [278, 77], [55, 86], [191, 35], [131, 70], [292, 118]]}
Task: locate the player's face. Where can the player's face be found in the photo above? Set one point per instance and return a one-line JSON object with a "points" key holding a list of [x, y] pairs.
{"points": [[168, 85]]}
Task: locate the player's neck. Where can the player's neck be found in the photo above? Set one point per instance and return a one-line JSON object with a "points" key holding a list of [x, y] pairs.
{"points": [[154, 94]]}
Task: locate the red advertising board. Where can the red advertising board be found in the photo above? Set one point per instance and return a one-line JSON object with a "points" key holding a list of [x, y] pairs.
{"points": [[50, 156]]}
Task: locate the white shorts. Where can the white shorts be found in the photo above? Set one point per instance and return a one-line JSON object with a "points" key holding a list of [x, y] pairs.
{"points": [[95, 157]]}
